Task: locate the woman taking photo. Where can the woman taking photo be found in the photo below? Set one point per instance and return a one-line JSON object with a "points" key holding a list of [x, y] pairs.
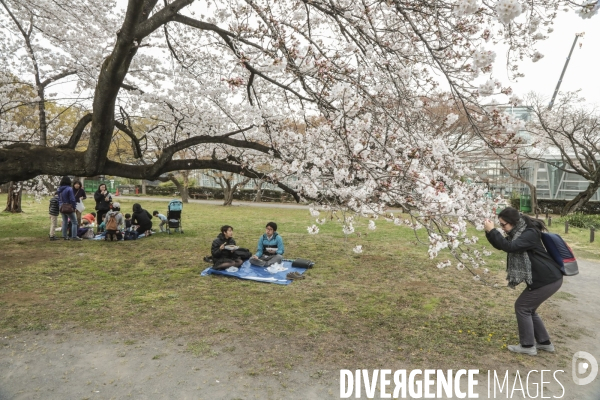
{"points": [[103, 200], [66, 206], [79, 194], [528, 262]]}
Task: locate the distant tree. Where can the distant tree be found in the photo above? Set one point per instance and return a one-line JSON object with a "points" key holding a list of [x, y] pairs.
{"points": [[226, 181], [571, 131]]}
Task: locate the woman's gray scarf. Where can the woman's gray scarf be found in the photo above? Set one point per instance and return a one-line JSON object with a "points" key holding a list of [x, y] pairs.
{"points": [[518, 264]]}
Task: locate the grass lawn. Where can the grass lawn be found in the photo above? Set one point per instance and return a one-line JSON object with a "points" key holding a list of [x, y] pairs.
{"points": [[389, 306]]}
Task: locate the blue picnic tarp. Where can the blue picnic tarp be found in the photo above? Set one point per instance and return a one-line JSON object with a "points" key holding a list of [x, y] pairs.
{"points": [[102, 235], [259, 274]]}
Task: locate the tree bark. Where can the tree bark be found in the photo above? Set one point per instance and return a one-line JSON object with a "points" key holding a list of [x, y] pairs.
{"points": [[13, 201], [581, 199], [227, 192], [184, 188], [533, 191], [259, 184], [20, 162]]}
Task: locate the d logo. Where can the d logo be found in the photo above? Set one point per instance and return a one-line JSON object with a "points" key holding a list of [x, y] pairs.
{"points": [[584, 363]]}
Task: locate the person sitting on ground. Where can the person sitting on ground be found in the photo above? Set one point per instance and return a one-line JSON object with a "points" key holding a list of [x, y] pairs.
{"points": [[270, 248], [114, 223], [91, 217], [162, 218], [127, 222], [222, 257], [143, 219]]}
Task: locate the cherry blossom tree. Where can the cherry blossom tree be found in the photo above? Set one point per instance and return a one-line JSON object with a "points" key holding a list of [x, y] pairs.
{"points": [[572, 132], [330, 92]]}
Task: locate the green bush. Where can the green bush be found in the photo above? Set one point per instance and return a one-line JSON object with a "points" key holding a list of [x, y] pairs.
{"points": [[581, 220]]}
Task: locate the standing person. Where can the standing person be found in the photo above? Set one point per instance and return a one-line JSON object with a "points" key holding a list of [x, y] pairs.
{"points": [[79, 194], [143, 219], [53, 211], [529, 262], [270, 247], [162, 218], [224, 258], [66, 206], [103, 199]]}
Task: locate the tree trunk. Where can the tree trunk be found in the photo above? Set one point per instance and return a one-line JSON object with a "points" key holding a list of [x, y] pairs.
{"points": [[13, 201], [143, 186], [534, 204], [581, 199], [179, 187], [258, 197], [184, 188], [227, 193]]}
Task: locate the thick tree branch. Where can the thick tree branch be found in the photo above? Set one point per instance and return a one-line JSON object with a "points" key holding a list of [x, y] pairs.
{"points": [[77, 132], [137, 149], [144, 172], [160, 18], [168, 152]]}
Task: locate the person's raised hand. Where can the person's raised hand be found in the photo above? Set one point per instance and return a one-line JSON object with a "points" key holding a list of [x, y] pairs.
{"points": [[488, 225]]}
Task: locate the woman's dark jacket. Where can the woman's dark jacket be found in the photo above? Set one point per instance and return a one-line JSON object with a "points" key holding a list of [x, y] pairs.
{"points": [[79, 194], [101, 204], [217, 253], [142, 218], [544, 269]]}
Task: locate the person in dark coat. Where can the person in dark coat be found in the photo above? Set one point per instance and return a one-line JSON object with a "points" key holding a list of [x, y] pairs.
{"points": [[222, 257], [65, 196], [142, 218], [103, 200], [528, 262], [79, 194]]}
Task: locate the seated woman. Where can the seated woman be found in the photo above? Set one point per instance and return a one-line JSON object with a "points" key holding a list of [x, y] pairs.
{"points": [[142, 219], [222, 257]]}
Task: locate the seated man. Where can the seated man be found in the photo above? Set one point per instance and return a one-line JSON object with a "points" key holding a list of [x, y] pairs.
{"points": [[270, 248]]}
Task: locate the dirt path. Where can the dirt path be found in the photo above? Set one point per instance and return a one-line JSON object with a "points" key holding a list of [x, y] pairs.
{"points": [[69, 365]]}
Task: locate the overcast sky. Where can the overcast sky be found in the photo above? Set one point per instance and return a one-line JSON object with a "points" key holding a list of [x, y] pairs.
{"points": [[583, 71]]}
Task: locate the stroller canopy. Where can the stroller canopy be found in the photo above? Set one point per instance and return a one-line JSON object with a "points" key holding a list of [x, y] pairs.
{"points": [[175, 205]]}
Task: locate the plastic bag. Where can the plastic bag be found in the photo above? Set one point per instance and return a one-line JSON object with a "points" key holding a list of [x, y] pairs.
{"points": [[79, 206]]}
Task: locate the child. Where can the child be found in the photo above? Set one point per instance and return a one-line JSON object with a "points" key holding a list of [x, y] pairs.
{"points": [[91, 218], [127, 222], [53, 211], [163, 220], [114, 223]]}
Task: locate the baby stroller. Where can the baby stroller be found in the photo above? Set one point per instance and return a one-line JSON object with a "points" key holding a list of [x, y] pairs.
{"points": [[174, 216]]}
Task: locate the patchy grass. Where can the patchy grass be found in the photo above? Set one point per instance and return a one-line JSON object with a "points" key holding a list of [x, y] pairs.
{"points": [[389, 306]]}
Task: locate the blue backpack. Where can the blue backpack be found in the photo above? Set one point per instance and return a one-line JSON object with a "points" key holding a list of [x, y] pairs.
{"points": [[560, 251]]}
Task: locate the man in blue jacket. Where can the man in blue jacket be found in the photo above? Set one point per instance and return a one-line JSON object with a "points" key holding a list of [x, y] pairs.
{"points": [[270, 248]]}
